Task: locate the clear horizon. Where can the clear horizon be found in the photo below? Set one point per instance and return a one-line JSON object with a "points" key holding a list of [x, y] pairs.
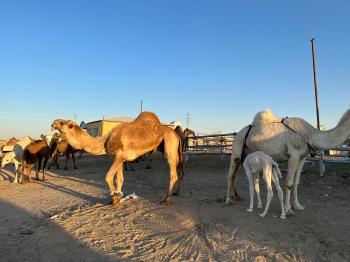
{"points": [[222, 62]]}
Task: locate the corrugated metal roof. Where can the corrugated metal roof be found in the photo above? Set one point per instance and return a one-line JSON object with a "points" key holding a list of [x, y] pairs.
{"points": [[120, 119], [123, 119]]}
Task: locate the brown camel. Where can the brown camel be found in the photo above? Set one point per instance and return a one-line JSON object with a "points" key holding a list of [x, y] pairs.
{"points": [[12, 141], [61, 148], [35, 151], [126, 142], [148, 156]]}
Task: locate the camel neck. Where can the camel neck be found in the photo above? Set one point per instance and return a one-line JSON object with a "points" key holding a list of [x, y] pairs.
{"points": [[331, 138], [92, 145]]}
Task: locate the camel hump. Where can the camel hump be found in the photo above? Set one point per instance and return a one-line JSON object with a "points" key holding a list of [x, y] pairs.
{"points": [[265, 116], [148, 117]]}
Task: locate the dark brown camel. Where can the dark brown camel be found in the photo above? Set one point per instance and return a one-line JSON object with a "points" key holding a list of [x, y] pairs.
{"points": [[61, 148], [183, 134], [35, 151]]}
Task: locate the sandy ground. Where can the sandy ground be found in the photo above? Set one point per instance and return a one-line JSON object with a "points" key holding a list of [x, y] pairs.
{"points": [[65, 218]]}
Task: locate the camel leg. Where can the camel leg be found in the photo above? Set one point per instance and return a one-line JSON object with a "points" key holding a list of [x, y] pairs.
{"points": [[251, 190], [267, 177], [73, 157], [149, 160], [231, 179], [28, 170], [120, 178], [37, 171], [50, 163], [257, 189], [116, 195], [279, 191], [44, 165], [67, 157], [16, 163], [171, 146], [180, 177], [22, 171], [172, 182], [297, 205], [292, 167]]}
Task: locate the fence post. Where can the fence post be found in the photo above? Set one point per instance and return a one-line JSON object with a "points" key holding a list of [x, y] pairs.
{"points": [[321, 164]]}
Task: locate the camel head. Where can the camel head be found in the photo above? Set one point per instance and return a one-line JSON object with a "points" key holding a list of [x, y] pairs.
{"points": [[69, 131], [64, 126], [8, 157], [188, 132]]}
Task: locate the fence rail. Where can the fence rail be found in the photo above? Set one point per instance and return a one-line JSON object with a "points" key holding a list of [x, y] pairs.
{"points": [[221, 144]]}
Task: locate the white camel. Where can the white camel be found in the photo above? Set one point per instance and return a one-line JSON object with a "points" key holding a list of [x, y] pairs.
{"points": [[288, 141], [259, 162], [15, 156]]}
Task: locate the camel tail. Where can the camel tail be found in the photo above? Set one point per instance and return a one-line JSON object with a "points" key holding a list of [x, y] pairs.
{"points": [[180, 151], [180, 171], [275, 166]]}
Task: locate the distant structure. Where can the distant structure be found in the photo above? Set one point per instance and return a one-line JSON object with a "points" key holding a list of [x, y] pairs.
{"points": [[104, 125], [187, 119], [175, 123]]}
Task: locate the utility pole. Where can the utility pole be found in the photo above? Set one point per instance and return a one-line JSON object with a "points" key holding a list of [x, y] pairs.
{"points": [[141, 109], [187, 118], [315, 81], [321, 164]]}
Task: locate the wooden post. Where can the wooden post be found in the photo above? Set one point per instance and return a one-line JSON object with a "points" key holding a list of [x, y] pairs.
{"points": [[321, 164]]}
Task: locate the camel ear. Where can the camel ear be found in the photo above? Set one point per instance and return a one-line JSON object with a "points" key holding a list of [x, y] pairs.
{"points": [[70, 124]]}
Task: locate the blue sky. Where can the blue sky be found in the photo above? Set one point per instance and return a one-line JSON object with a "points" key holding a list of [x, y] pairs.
{"points": [[221, 61]]}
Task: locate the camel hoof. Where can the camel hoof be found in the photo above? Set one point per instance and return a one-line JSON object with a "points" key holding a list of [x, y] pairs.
{"points": [[259, 206], [262, 215], [299, 207], [249, 210], [290, 212], [283, 216], [115, 200], [166, 201], [229, 201], [238, 198], [148, 167]]}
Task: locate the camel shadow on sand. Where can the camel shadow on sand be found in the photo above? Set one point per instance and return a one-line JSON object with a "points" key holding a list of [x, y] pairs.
{"points": [[25, 237]]}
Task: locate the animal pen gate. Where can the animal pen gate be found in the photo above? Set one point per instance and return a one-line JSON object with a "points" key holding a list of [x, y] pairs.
{"points": [[213, 144], [221, 144], [341, 156]]}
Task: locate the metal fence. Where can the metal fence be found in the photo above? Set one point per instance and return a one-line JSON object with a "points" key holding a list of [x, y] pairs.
{"points": [[213, 144], [221, 144], [323, 158]]}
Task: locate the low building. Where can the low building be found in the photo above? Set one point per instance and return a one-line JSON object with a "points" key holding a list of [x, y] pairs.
{"points": [[104, 126]]}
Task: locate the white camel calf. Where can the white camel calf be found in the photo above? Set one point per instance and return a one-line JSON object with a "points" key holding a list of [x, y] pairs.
{"points": [[260, 162], [15, 156]]}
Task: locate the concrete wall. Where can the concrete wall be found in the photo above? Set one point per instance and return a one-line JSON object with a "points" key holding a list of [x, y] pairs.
{"points": [[107, 126], [94, 128]]}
